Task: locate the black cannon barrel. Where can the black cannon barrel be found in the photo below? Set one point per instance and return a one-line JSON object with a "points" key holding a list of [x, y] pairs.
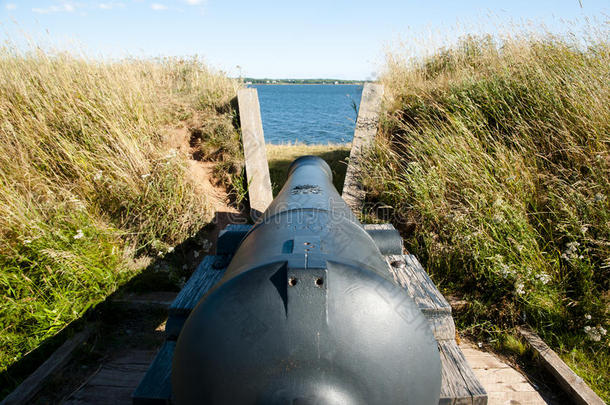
{"points": [[306, 313]]}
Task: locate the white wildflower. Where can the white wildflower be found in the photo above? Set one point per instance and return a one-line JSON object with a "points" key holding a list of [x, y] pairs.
{"points": [[588, 317], [505, 270], [79, 234], [520, 288], [27, 241], [593, 334], [170, 249], [145, 175], [543, 277], [98, 176], [172, 154], [571, 248], [479, 344]]}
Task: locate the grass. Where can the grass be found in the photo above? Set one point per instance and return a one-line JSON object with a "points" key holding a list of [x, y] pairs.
{"points": [[281, 156], [495, 156], [88, 182]]}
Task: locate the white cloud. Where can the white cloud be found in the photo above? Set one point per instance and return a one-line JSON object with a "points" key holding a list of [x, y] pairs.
{"points": [[199, 4], [158, 7], [111, 5], [11, 6], [63, 7]]}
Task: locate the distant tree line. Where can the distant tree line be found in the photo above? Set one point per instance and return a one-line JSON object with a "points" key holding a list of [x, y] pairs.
{"points": [[300, 81]]}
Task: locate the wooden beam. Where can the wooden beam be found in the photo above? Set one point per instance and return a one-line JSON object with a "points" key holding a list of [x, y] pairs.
{"points": [[253, 139], [571, 383], [24, 393], [364, 135]]}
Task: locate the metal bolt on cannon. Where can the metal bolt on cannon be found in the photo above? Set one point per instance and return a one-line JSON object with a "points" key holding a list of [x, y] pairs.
{"points": [[306, 313]]}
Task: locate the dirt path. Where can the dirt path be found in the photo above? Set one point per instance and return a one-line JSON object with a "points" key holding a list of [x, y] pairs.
{"points": [[200, 173]]}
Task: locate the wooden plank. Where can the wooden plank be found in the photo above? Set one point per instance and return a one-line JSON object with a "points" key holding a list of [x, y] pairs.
{"points": [[204, 278], [483, 361], [442, 325], [31, 385], [459, 383], [364, 135], [410, 274], [571, 383], [114, 382], [208, 273], [257, 167], [509, 387], [505, 375], [155, 387], [520, 398], [230, 238]]}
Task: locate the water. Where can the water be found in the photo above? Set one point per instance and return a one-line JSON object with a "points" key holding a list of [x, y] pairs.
{"points": [[310, 114]]}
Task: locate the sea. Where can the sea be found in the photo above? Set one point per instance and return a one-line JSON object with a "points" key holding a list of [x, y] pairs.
{"points": [[309, 113]]}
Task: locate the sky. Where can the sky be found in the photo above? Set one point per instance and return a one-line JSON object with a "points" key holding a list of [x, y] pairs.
{"points": [[273, 39]]}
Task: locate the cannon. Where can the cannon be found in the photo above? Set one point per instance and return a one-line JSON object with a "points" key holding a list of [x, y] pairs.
{"points": [[306, 313]]}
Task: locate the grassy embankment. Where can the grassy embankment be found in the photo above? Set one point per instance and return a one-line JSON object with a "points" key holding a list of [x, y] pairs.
{"points": [[496, 160], [88, 182]]}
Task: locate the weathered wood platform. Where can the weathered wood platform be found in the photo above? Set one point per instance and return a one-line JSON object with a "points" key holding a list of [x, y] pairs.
{"points": [[504, 384], [459, 384]]}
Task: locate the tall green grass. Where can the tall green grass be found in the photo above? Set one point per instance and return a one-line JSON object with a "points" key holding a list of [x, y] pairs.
{"points": [[495, 155], [88, 181]]}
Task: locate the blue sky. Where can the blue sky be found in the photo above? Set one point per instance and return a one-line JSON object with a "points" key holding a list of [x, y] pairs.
{"points": [[338, 39]]}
